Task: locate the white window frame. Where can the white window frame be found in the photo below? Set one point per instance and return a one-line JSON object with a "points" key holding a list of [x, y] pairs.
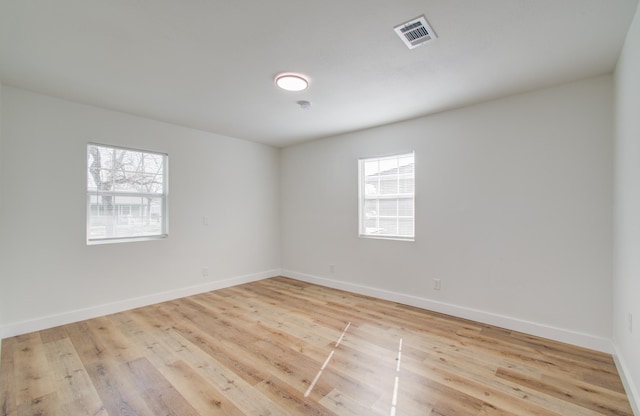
{"points": [[93, 193], [364, 196]]}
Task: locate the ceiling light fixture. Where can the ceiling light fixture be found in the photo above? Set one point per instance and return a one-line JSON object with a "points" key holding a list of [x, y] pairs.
{"points": [[291, 82]]}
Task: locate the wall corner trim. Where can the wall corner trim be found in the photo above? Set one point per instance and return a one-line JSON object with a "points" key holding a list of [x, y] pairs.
{"points": [[557, 334], [51, 321]]}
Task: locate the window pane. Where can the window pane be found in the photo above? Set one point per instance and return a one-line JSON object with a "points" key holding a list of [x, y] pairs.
{"points": [[371, 208], [388, 166], [123, 217], [371, 167], [388, 185], [371, 186], [388, 207], [406, 185], [405, 207], [406, 164], [389, 226], [371, 226]]}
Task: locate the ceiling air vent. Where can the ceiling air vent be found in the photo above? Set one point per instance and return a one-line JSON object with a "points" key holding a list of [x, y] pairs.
{"points": [[415, 32]]}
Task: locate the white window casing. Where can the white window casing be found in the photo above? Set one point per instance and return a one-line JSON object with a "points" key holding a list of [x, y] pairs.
{"points": [[127, 194], [387, 197]]}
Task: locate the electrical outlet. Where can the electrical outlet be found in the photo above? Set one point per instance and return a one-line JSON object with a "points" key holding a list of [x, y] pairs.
{"points": [[437, 284], [205, 271], [630, 322], [205, 220], [332, 268]]}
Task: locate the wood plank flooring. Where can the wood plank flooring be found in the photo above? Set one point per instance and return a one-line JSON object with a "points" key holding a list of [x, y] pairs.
{"points": [[284, 347]]}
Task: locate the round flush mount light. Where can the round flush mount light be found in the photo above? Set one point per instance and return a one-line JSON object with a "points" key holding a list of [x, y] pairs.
{"points": [[291, 82]]}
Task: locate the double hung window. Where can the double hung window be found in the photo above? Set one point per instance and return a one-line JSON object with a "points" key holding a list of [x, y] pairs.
{"points": [[126, 194], [387, 197]]}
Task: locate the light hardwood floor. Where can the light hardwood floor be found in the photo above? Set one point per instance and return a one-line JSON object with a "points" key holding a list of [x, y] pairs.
{"points": [[260, 348]]}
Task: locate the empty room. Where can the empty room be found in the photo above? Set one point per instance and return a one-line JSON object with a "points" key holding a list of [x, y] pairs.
{"points": [[419, 207]]}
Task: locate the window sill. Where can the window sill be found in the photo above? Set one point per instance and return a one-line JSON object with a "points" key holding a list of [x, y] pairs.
{"points": [[126, 239], [381, 237]]}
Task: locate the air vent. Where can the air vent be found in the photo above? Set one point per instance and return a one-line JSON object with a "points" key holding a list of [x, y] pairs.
{"points": [[415, 32]]}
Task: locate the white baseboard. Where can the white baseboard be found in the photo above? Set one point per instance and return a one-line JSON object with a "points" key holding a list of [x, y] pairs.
{"points": [[629, 386], [51, 321], [558, 334], [533, 328]]}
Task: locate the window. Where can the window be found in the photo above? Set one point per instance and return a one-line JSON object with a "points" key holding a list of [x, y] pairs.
{"points": [[387, 197], [126, 194]]}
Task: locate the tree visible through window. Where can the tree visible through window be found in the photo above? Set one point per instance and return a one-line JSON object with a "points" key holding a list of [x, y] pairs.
{"points": [[126, 194], [387, 197]]}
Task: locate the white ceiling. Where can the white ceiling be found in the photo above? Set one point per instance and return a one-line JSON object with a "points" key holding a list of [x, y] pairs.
{"points": [[209, 64]]}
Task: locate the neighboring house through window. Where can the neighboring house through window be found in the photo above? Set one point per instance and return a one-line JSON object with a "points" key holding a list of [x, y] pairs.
{"points": [[387, 197], [126, 194]]}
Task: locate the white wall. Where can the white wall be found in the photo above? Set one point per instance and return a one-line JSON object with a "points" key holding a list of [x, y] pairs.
{"points": [[514, 213], [48, 275], [626, 282]]}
